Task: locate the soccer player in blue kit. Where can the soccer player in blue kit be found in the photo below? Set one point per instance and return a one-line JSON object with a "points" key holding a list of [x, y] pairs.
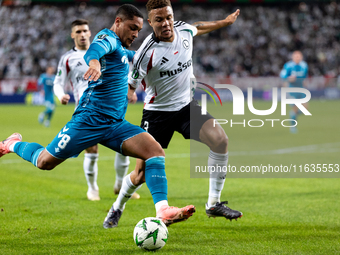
{"points": [[71, 68], [46, 82], [99, 117], [295, 72]]}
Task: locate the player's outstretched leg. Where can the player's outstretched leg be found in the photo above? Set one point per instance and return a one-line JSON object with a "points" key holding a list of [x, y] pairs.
{"points": [[170, 214], [6, 144], [122, 166], [32, 152]]}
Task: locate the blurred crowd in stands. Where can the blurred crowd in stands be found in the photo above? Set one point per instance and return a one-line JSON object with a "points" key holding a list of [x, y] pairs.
{"points": [[257, 44]]}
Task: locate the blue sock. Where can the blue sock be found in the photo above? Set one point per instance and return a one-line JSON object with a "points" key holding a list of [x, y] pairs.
{"points": [[49, 114], [292, 116], [155, 178], [28, 151]]}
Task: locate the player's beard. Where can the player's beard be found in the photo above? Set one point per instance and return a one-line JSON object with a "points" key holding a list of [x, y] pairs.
{"points": [[125, 45], [167, 39]]}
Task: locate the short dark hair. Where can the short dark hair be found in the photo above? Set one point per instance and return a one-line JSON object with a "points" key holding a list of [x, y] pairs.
{"points": [[155, 4], [79, 22], [128, 11]]}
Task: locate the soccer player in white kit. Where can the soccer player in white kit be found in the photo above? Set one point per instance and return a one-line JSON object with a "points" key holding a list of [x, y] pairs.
{"points": [[163, 65], [72, 68]]}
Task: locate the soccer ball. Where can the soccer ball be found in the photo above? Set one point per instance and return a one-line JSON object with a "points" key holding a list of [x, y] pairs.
{"points": [[150, 234]]}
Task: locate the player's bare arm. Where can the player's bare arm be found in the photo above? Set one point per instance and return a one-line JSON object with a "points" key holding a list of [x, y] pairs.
{"points": [[134, 98], [204, 27], [132, 95], [93, 73]]}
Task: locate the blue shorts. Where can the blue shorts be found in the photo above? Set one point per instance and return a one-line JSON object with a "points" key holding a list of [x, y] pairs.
{"points": [[297, 95], [87, 129]]}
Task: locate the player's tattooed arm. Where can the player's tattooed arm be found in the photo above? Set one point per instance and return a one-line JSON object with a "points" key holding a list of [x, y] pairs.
{"points": [[204, 27], [198, 24]]}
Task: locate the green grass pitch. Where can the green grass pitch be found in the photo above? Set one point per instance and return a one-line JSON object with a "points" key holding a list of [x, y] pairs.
{"points": [[47, 212]]}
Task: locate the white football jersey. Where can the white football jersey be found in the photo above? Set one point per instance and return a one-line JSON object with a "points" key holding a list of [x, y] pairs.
{"points": [[165, 69], [71, 68]]}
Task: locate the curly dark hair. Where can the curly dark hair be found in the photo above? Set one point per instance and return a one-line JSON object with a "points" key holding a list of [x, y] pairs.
{"points": [[155, 4]]}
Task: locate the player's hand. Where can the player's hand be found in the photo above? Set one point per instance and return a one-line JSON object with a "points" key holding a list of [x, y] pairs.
{"points": [[133, 98], [292, 78], [93, 73], [65, 98], [232, 17]]}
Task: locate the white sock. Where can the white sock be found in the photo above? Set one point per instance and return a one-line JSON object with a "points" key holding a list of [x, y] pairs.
{"points": [[121, 166], [91, 170], [125, 193], [217, 179], [159, 204], [11, 147]]}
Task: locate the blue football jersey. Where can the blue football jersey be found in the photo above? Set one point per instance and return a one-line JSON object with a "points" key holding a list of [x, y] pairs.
{"points": [[46, 81], [108, 95], [300, 70]]}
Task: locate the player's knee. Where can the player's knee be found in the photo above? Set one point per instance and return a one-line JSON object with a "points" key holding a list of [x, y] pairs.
{"points": [[220, 143], [224, 142], [45, 165], [157, 151], [154, 149]]}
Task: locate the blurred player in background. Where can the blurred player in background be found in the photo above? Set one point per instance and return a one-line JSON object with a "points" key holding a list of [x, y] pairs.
{"points": [[72, 68], [45, 83], [295, 73], [163, 64], [100, 117]]}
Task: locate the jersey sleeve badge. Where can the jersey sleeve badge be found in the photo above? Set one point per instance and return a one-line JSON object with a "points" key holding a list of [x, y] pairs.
{"points": [[102, 36], [135, 74]]}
